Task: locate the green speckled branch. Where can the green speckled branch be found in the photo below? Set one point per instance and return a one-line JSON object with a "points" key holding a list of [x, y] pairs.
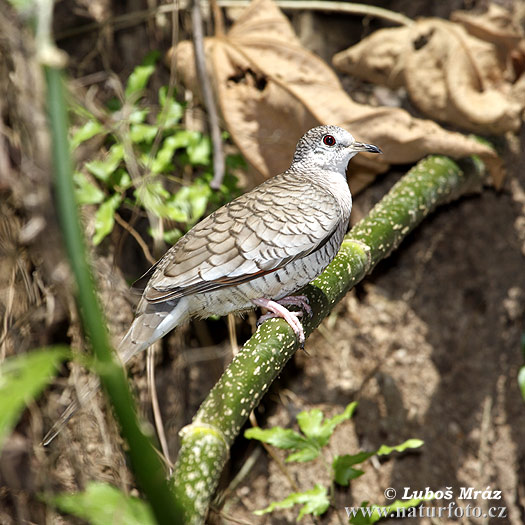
{"points": [[206, 441]]}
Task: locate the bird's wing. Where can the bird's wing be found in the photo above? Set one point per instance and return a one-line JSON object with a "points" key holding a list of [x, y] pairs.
{"points": [[281, 220]]}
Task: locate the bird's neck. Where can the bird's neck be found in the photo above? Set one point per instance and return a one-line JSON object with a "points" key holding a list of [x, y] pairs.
{"points": [[332, 182]]}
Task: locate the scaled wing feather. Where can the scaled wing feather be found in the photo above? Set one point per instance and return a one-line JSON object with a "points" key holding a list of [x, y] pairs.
{"points": [[254, 235]]}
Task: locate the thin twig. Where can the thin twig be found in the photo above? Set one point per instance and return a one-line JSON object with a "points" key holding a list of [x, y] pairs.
{"points": [[232, 333], [137, 17], [207, 95], [243, 472], [157, 416], [217, 18], [136, 235], [7, 315], [336, 7]]}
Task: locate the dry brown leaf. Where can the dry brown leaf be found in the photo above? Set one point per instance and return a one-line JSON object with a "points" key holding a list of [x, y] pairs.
{"points": [[501, 27], [270, 90], [450, 75], [497, 25]]}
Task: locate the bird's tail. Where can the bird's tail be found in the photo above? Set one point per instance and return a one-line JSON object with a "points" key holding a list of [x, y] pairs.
{"points": [[152, 322]]}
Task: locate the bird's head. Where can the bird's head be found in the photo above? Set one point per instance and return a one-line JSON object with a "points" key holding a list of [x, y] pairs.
{"points": [[328, 148]]}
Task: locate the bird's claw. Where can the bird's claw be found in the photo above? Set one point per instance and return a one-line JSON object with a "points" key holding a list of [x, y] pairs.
{"points": [[297, 300], [277, 309]]}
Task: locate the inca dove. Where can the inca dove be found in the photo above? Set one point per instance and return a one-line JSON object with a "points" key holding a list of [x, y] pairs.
{"points": [[257, 249]]}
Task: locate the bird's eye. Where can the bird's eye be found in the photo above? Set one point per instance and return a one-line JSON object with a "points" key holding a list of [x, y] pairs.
{"points": [[329, 140]]}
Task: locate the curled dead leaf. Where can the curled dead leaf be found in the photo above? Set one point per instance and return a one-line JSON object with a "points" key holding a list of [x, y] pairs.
{"points": [[497, 25], [270, 90], [450, 75]]}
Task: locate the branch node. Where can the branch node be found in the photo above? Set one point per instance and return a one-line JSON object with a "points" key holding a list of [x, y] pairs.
{"points": [[197, 427], [366, 249]]}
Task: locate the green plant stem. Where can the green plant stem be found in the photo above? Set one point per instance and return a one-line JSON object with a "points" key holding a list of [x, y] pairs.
{"points": [[145, 461], [206, 441]]}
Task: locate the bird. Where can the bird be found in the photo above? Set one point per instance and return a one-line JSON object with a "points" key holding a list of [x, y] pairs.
{"points": [[255, 251]]}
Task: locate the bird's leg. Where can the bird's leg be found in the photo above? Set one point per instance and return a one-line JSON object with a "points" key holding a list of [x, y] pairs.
{"points": [[273, 315], [278, 310], [297, 300]]}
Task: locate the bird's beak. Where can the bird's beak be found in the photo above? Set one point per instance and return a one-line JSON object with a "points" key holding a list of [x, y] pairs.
{"points": [[370, 148]]}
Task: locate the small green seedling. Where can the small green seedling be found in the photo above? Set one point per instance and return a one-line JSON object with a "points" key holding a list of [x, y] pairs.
{"points": [[308, 445], [145, 161], [22, 378], [101, 503]]}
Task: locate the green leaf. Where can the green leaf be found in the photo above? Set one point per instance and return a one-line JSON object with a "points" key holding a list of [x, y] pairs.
{"points": [[410, 443], [306, 454], [199, 151], [142, 133], [172, 236], [314, 501], [279, 437], [286, 438], [184, 137], [171, 110], [138, 79], [343, 467], [344, 476], [311, 423], [192, 200], [85, 191], [162, 161], [120, 180], [87, 131], [141, 74], [330, 424], [138, 116], [181, 139], [103, 169], [101, 504], [187, 205], [151, 58], [22, 378], [105, 218], [196, 146], [154, 197]]}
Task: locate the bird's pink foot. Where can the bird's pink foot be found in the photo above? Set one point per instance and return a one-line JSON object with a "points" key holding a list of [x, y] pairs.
{"points": [[297, 300], [276, 309]]}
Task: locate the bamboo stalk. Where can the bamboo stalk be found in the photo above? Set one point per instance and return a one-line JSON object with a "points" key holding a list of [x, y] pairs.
{"points": [[206, 441]]}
